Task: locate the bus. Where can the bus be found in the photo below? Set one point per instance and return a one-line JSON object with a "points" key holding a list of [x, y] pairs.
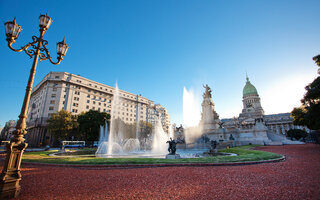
{"points": [[73, 144]]}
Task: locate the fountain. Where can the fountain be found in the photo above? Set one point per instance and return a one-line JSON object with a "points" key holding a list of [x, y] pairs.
{"points": [[191, 116], [103, 139], [117, 142], [160, 138]]}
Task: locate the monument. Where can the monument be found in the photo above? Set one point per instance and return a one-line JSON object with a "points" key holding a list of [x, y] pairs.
{"points": [[209, 118], [249, 128], [172, 150]]}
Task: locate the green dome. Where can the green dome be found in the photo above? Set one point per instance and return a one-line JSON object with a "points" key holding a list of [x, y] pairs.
{"points": [[249, 89]]}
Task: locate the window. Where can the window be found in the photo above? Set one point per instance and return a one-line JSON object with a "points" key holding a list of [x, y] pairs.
{"points": [[52, 102], [57, 77], [51, 108], [75, 104], [53, 95], [54, 89], [87, 107], [94, 102], [99, 104], [88, 101], [76, 98], [93, 108], [89, 90], [98, 109]]}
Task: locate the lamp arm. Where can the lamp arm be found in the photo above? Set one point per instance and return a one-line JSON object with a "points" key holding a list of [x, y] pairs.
{"points": [[46, 55], [29, 52]]}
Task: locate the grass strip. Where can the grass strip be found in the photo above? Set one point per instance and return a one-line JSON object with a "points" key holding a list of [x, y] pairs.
{"points": [[245, 154]]}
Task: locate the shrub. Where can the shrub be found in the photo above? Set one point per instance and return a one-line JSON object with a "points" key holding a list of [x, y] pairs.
{"points": [[297, 134]]}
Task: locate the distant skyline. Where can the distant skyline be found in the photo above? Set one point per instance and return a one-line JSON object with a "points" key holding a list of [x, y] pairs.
{"points": [[156, 48]]}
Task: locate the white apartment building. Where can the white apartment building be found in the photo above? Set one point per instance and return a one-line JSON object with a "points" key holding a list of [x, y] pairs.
{"points": [[76, 94]]}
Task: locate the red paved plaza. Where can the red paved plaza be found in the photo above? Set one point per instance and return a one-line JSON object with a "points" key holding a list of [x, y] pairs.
{"points": [[298, 177]]}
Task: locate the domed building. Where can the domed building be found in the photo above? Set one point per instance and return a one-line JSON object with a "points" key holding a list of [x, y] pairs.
{"points": [[251, 127], [251, 103]]}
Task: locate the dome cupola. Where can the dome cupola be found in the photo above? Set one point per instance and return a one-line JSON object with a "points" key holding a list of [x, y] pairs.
{"points": [[249, 89]]}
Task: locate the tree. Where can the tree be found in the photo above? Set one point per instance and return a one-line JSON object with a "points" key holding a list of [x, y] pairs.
{"points": [[62, 124], [298, 115], [309, 113], [145, 129], [90, 122], [297, 134]]}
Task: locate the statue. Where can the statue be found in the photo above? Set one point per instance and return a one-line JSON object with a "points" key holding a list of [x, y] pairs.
{"points": [[213, 144], [231, 137], [208, 91], [172, 146]]}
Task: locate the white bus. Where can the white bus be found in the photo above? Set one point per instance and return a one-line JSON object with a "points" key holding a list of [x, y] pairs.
{"points": [[73, 144]]}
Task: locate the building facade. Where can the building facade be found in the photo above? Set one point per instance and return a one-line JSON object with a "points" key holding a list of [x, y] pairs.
{"points": [[76, 94], [251, 127], [7, 130], [252, 110]]}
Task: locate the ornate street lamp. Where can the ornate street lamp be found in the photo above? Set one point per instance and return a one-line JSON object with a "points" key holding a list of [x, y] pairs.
{"points": [[11, 176]]}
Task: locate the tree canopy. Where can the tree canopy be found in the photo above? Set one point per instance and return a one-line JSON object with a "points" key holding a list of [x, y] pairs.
{"points": [[309, 113], [62, 124], [89, 124], [297, 134]]}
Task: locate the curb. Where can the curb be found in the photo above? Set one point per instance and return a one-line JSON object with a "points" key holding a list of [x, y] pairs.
{"points": [[157, 165]]}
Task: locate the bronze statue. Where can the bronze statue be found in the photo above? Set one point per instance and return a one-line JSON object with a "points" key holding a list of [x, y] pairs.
{"points": [[213, 144], [172, 146]]}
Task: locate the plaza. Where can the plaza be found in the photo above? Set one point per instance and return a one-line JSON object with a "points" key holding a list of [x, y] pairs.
{"points": [[100, 115], [295, 178]]}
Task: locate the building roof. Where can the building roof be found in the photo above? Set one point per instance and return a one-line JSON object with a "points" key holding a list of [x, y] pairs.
{"points": [[249, 89]]}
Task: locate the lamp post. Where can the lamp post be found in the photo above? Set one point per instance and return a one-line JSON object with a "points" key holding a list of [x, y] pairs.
{"points": [[11, 176]]}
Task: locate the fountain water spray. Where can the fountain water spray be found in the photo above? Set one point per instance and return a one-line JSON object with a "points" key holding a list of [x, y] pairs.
{"points": [[103, 139], [160, 138], [191, 115]]}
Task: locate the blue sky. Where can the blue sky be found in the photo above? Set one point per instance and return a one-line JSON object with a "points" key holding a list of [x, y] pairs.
{"points": [[156, 48]]}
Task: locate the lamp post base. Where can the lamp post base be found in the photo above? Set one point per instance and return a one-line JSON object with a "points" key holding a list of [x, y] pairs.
{"points": [[11, 176], [9, 189]]}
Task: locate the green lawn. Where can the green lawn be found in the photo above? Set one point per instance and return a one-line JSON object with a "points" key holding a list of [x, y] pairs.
{"points": [[245, 153]]}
